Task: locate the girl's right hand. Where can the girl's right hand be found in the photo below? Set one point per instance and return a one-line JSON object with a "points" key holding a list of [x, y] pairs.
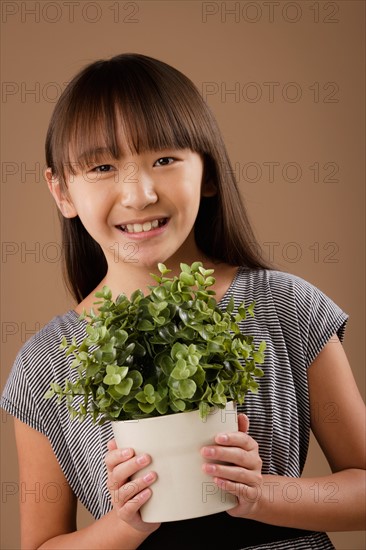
{"points": [[128, 496]]}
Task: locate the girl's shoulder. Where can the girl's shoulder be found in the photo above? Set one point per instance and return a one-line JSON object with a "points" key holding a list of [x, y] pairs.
{"points": [[275, 285], [291, 305], [271, 285], [39, 362], [279, 295], [46, 342]]}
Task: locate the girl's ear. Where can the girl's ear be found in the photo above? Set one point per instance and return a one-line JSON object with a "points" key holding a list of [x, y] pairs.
{"points": [[62, 200], [208, 188]]}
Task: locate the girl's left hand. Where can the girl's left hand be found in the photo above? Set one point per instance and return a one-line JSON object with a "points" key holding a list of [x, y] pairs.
{"points": [[242, 476]]}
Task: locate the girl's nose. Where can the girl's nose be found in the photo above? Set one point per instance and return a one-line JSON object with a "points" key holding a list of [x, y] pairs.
{"points": [[137, 191]]}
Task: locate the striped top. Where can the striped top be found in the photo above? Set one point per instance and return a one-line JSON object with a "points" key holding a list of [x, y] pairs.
{"points": [[294, 318]]}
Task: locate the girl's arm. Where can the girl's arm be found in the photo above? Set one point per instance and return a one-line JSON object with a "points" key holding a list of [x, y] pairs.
{"points": [[48, 505], [329, 503], [336, 502]]}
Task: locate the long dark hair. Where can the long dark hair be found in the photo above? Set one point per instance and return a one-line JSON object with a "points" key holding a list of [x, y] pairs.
{"points": [[158, 108]]}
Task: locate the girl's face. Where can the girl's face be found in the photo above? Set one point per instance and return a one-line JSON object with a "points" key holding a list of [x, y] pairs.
{"points": [[141, 209]]}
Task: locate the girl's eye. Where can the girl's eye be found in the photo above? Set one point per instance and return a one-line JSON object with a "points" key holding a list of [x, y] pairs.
{"points": [[103, 168], [164, 161]]}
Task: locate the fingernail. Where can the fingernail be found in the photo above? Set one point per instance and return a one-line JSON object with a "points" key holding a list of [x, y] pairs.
{"points": [[144, 494], [222, 438], [210, 468], [208, 451], [142, 459], [125, 453], [148, 477]]}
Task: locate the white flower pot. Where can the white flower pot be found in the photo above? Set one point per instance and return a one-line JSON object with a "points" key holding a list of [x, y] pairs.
{"points": [[182, 490]]}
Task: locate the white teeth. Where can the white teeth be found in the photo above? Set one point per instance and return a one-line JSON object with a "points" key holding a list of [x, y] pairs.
{"points": [[139, 228]]}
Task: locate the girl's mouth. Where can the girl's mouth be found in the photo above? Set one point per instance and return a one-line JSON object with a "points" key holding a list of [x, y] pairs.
{"points": [[143, 227]]}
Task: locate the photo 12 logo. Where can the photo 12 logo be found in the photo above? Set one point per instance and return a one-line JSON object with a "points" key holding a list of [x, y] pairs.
{"points": [[270, 11], [70, 12], [276, 172], [271, 91]]}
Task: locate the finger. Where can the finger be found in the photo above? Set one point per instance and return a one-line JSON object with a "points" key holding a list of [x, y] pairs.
{"points": [[243, 422], [236, 448], [131, 490], [111, 445], [122, 471], [116, 456], [236, 439], [250, 493], [235, 474], [127, 511], [231, 455]]}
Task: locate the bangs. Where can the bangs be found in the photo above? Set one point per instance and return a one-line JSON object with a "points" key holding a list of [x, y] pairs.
{"points": [[120, 107]]}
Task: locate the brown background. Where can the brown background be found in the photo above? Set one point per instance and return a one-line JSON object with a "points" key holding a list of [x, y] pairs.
{"points": [[294, 129]]}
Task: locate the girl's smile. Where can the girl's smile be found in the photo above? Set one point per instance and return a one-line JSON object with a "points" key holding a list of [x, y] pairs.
{"points": [[140, 229]]}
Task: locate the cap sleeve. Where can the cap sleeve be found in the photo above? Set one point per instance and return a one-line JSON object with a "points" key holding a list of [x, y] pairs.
{"points": [[17, 398], [319, 318], [314, 316]]}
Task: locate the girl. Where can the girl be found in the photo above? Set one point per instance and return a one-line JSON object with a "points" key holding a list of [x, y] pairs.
{"points": [[140, 174]]}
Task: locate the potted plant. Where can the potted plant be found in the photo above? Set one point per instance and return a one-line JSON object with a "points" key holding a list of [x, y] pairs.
{"points": [[170, 356]]}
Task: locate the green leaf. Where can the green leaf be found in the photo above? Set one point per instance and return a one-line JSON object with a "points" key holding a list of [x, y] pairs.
{"points": [[258, 357], [105, 293], [196, 266], [121, 337], [162, 406], [163, 269], [160, 292], [124, 387], [209, 281], [184, 389], [200, 279], [136, 378], [251, 309], [204, 409], [63, 344], [214, 346], [135, 296], [178, 405], [92, 369], [112, 379], [262, 346], [49, 393], [185, 268], [165, 363], [149, 390], [231, 305], [145, 324], [187, 279], [146, 407]]}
